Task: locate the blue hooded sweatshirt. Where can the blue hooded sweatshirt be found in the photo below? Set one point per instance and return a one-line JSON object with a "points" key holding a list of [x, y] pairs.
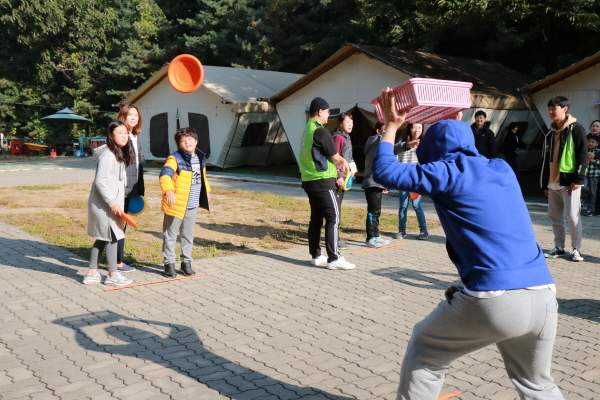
{"points": [[489, 235]]}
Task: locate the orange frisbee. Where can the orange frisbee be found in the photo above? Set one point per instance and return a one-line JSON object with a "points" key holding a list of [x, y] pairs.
{"points": [[185, 73], [128, 220], [414, 196]]}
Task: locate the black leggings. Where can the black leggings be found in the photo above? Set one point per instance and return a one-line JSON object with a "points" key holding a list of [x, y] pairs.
{"points": [[373, 196], [121, 243], [111, 253]]}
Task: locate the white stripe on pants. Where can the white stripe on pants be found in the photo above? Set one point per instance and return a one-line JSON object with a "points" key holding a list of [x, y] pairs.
{"points": [[564, 206], [185, 227], [522, 324]]}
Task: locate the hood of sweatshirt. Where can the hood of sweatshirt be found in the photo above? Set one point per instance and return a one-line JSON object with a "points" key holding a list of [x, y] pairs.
{"points": [[98, 151], [570, 120], [446, 140]]}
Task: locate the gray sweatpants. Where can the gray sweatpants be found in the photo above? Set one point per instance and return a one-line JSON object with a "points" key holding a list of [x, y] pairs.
{"points": [[522, 324], [185, 227], [564, 206]]}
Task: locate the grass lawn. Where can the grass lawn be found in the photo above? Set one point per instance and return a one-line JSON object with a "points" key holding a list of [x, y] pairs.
{"points": [[240, 221]]}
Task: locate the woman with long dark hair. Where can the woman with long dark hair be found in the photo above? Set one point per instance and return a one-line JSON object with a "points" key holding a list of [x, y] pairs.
{"points": [[106, 203], [131, 116], [343, 144], [408, 154]]}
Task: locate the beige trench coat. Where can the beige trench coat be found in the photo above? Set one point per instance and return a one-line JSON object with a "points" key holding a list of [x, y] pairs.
{"points": [[108, 189]]}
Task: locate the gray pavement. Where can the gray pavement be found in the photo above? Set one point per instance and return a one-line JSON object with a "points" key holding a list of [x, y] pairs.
{"points": [[263, 326]]}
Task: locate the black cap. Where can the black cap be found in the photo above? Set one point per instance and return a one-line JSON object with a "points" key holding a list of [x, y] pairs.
{"points": [[317, 104]]}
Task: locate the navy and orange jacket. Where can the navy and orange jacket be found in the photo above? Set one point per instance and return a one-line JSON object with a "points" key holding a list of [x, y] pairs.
{"points": [[176, 175]]}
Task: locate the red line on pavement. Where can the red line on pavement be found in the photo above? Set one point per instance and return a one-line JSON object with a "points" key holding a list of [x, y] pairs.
{"points": [[379, 248], [447, 396], [150, 283]]}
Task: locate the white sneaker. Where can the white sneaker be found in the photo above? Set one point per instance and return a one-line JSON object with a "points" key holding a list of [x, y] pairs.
{"points": [[340, 263], [373, 242], [382, 240], [320, 261], [576, 255], [91, 279], [117, 280]]}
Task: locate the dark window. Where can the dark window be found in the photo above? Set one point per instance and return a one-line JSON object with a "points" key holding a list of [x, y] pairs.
{"points": [[159, 135], [256, 134], [199, 123]]}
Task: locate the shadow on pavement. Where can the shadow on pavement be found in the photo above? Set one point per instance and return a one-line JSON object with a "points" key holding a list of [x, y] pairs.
{"points": [[422, 279], [32, 255], [179, 348], [581, 308]]}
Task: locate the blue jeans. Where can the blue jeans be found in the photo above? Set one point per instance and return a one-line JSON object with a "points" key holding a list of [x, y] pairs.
{"points": [[404, 207]]}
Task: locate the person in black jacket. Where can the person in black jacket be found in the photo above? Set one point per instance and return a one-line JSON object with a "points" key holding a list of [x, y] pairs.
{"points": [[511, 147], [132, 117], [485, 140], [563, 174]]}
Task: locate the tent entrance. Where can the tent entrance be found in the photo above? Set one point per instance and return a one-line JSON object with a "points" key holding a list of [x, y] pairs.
{"points": [[364, 127], [256, 138]]}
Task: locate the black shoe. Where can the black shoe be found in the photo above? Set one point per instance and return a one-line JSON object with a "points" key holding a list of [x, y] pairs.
{"points": [[170, 271], [555, 252], [186, 268]]}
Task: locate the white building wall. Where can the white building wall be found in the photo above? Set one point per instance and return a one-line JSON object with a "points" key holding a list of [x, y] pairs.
{"points": [[582, 90]]}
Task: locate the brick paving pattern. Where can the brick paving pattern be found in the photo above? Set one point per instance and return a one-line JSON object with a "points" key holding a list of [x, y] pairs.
{"points": [[267, 326]]}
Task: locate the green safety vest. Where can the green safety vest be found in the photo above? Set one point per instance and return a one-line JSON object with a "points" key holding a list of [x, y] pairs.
{"points": [[568, 161], [310, 171]]}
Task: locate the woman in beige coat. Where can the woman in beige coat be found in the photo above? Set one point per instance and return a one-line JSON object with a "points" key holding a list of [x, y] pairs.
{"points": [[106, 203]]}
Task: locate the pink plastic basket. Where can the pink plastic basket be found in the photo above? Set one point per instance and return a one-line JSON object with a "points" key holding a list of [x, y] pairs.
{"points": [[430, 100]]}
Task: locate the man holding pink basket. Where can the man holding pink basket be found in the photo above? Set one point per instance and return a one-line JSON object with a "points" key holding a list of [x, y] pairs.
{"points": [[508, 298]]}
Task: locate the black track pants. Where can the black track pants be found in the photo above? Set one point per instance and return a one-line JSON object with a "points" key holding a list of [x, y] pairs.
{"points": [[323, 204]]}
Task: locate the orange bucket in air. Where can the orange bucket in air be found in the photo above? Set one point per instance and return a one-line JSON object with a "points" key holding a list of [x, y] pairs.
{"points": [[185, 73]]}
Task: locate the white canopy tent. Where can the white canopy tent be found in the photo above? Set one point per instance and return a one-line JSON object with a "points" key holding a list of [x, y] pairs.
{"points": [[580, 83], [355, 74]]}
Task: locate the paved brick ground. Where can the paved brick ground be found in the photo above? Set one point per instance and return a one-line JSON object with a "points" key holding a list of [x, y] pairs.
{"points": [[266, 326]]}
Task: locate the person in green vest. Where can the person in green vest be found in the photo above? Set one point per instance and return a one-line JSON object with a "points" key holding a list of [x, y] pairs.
{"points": [[318, 158], [563, 174]]}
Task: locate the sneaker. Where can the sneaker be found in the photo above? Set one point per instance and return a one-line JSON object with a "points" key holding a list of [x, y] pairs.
{"points": [[342, 245], [399, 235], [126, 268], [340, 263], [320, 261], [91, 279], [576, 255], [117, 280], [382, 241], [555, 252], [423, 235], [588, 213], [373, 242]]}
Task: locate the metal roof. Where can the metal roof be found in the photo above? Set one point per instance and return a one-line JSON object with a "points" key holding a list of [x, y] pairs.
{"points": [[488, 78], [563, 74]]}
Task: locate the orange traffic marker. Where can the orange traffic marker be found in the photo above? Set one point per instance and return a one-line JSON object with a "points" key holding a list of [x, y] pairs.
{"points": [[447, 396], [150, 283], [379, 248]]}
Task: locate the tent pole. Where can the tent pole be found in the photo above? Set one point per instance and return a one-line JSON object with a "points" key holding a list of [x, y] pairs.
{"points": [[274, 139], [231, 141]]}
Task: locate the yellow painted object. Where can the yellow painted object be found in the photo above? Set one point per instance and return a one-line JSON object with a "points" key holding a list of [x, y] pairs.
{"points": [[36, 147]]}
